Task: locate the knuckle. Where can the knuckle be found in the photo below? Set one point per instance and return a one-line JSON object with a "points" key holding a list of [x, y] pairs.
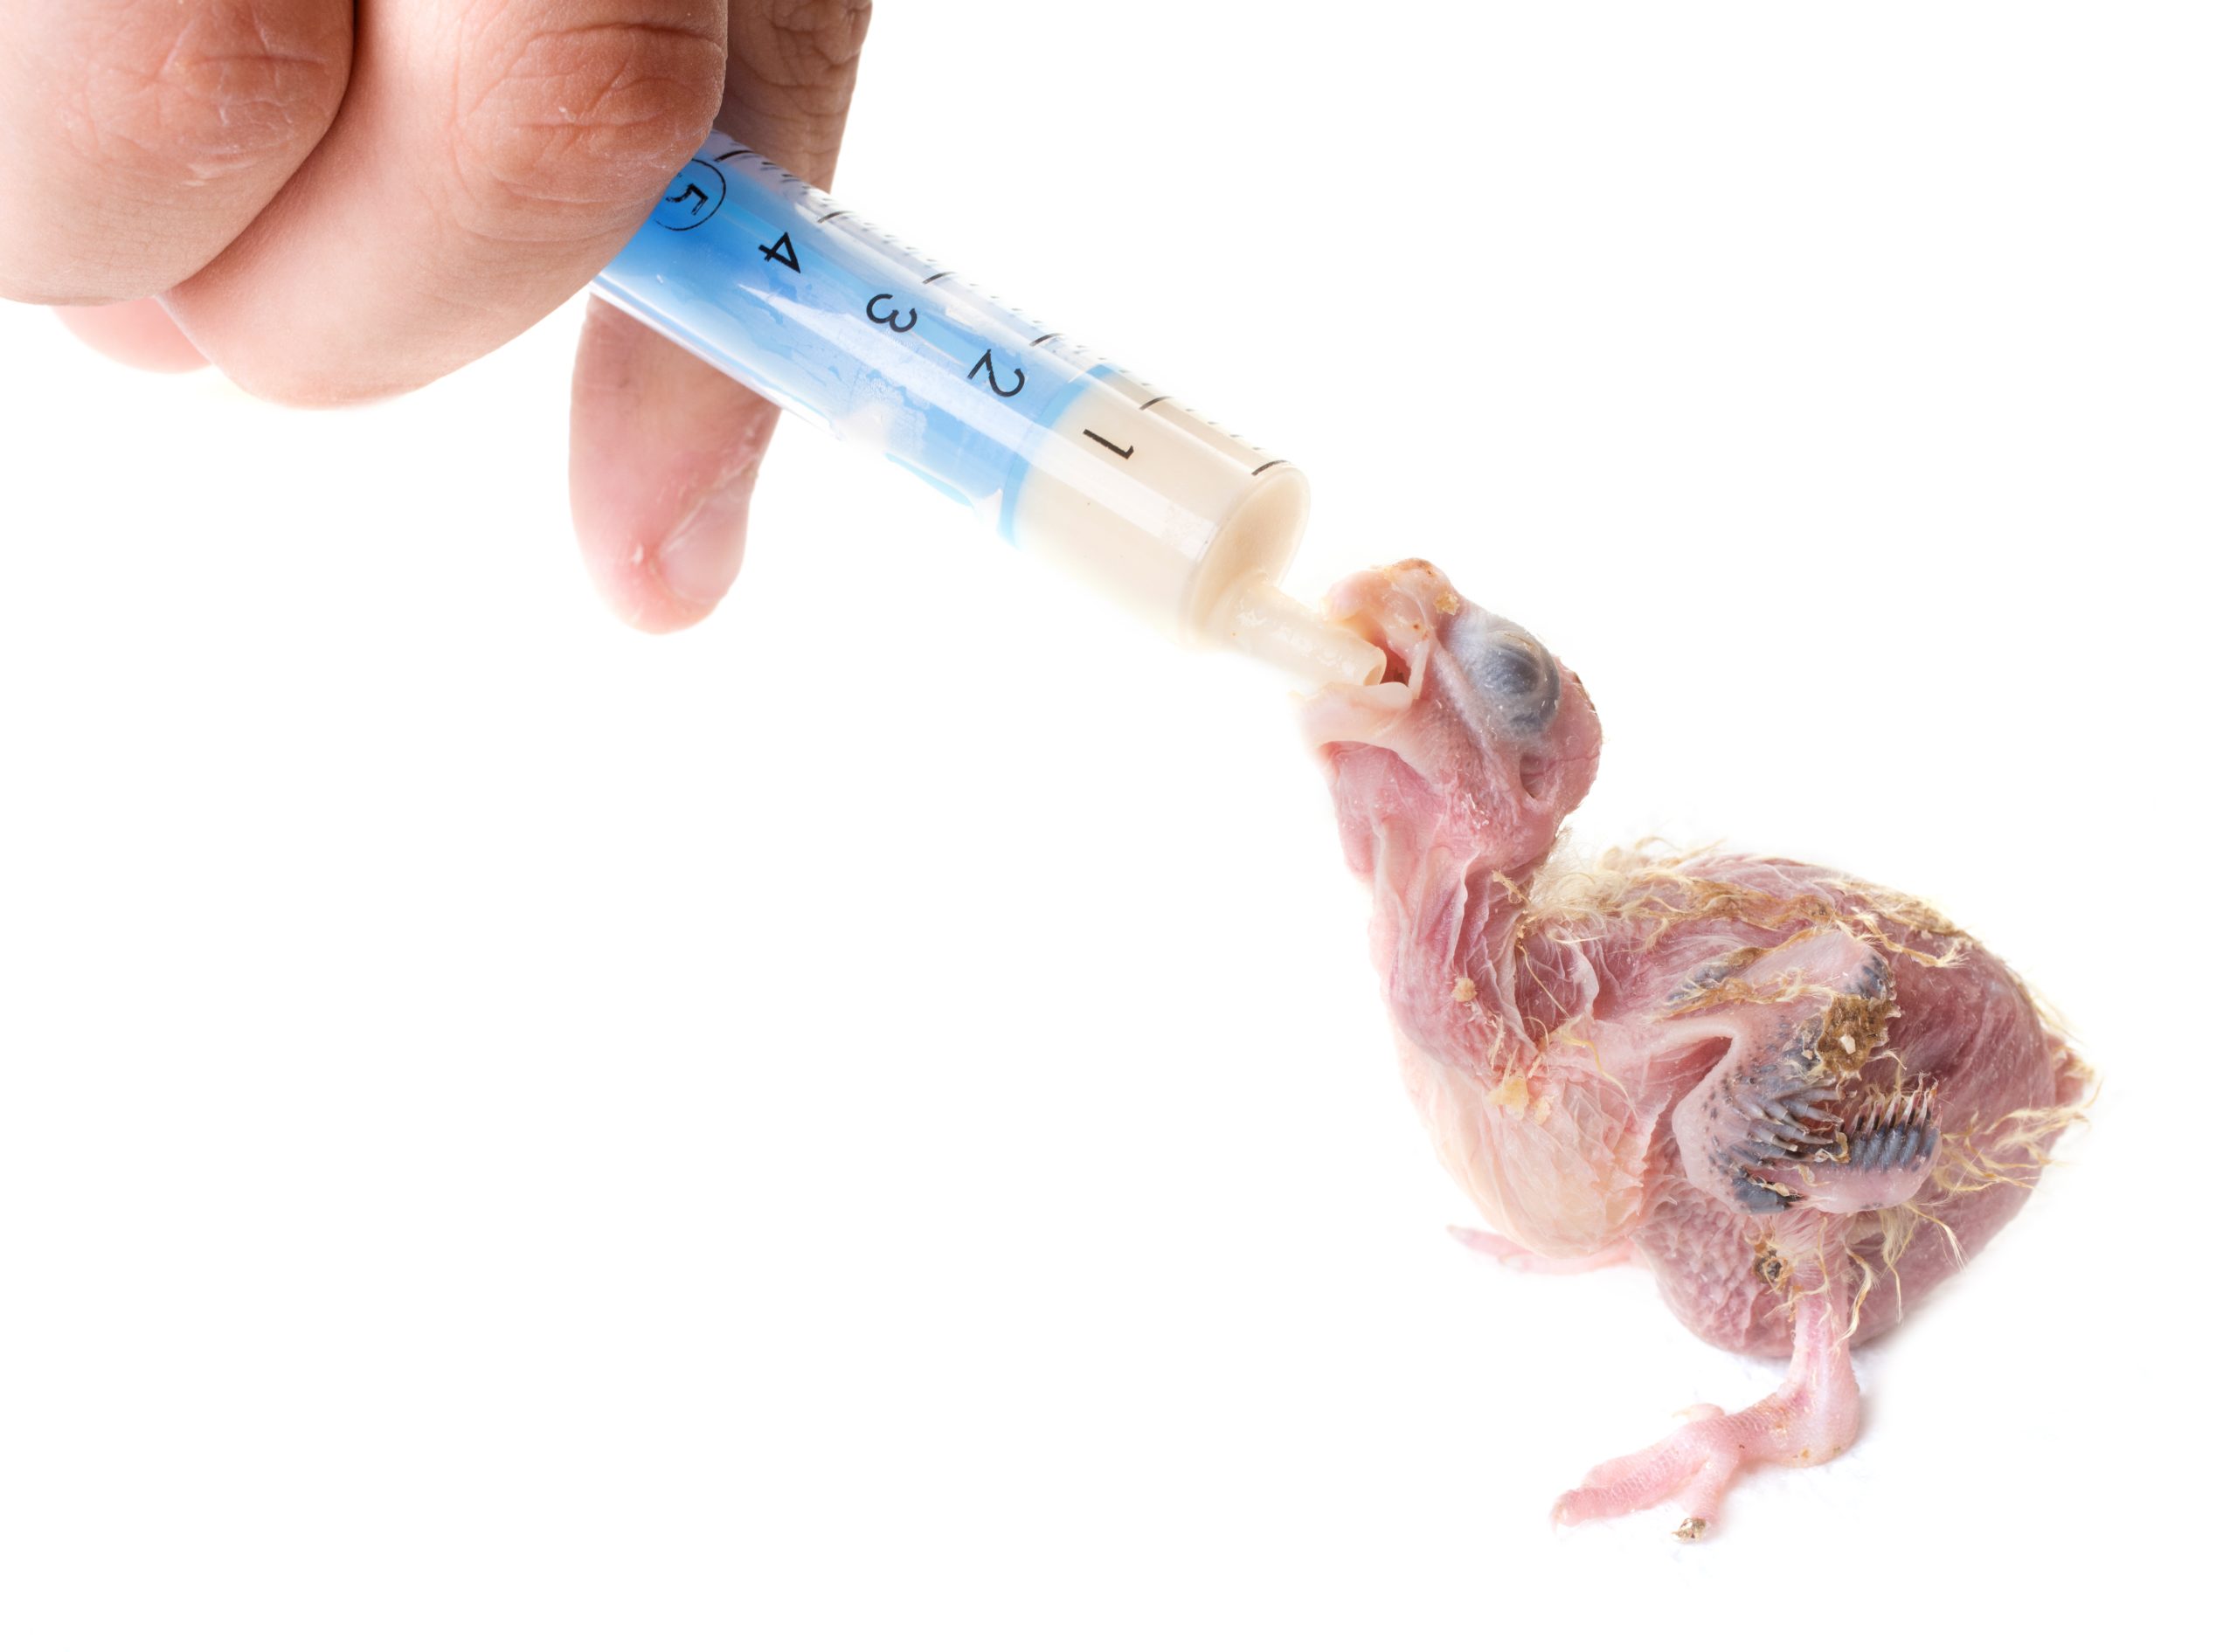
{"points": [[794, 62], [807, 45], [158, 133], [232, 87], [586, 120]]}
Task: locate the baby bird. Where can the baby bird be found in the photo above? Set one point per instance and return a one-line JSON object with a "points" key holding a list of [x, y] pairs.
{"points": [[1798, 1099]]}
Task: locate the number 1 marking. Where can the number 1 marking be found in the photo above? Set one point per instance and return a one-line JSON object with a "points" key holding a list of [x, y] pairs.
{"points": [[1126, 451]]}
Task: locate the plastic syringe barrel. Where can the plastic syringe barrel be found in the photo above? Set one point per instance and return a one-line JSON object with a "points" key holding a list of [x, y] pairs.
{"points": [[771, 282]]}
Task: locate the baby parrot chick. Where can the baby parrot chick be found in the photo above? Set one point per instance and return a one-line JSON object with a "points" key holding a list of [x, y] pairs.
{"points": [[1798, 1099]]}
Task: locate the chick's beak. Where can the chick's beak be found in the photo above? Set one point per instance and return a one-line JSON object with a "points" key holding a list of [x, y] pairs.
{"points": [[1397, 609]]}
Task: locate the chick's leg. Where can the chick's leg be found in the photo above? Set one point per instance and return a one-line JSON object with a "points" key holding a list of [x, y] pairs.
{"points": [[1810, 1418]]}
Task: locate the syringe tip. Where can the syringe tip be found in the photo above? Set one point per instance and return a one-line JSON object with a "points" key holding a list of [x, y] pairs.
{"points": [[1262, 620]]}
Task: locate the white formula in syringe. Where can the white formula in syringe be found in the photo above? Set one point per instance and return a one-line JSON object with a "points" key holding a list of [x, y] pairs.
{"points": [[769, 279]]}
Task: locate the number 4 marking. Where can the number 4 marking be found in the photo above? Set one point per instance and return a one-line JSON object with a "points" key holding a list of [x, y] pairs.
{"points": [[782, 252]]}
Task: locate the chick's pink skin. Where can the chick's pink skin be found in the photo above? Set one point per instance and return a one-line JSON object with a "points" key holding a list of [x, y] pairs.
{"points": [[1445, 815], [1436, 805], [1778, 1088]]}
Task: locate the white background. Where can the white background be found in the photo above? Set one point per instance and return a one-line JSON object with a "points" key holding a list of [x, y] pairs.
{"points": [[868, 1123]]}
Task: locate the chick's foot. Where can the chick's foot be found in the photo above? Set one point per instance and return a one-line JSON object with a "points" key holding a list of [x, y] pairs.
{"points": [[1811, 1417]]}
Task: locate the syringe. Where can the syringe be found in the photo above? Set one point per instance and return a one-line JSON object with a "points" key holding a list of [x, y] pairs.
{"points": [[770, 281]]}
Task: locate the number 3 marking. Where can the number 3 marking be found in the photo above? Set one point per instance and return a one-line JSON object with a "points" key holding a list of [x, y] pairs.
{"points": [[892, 317]]}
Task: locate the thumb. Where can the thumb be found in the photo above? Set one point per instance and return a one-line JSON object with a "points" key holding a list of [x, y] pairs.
{"points": [[664, 450]]}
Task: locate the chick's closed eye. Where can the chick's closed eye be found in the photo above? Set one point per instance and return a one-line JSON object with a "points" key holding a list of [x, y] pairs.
{"points": [[1513, 679]]}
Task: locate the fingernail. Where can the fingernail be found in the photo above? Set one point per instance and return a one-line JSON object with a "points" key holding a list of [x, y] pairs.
{"points": [[698, 562]]}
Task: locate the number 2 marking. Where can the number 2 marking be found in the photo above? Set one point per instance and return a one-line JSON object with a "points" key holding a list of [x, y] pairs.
{"points": [[892, 317], [986, 364]]}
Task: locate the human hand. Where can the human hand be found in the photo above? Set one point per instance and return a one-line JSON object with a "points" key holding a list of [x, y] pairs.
{"points": [[337, 202]]}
